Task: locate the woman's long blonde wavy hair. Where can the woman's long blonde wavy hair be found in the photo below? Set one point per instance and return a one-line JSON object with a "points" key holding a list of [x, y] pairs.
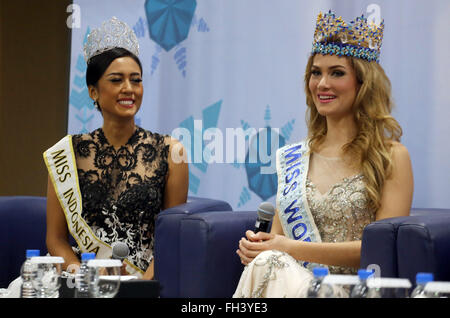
{"points": [[371, 148]]}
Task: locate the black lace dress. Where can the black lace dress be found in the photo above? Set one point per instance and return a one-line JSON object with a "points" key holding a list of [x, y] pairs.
{"points": [[122, 189]]}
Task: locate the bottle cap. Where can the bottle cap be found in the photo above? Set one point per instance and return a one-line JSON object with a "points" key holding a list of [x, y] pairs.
{"points": [[32, 253], [423, 278], [320, 271], [87, 256], [364, 274]]}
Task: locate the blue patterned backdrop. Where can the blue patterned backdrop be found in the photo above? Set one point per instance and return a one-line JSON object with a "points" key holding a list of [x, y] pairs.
{"points": [[213, 65]]}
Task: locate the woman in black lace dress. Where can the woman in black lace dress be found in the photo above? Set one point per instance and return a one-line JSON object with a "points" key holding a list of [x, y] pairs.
{"points": [[126, 174]]}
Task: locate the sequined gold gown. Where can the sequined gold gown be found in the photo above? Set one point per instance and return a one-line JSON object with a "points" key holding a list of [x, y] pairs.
{"points": [[337, 199]]}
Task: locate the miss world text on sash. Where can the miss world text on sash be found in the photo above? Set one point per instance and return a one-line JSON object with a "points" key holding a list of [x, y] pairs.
{"points": [[293, 210]]}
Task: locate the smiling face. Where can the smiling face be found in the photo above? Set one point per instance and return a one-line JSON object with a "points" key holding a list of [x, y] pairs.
{"points": [[119, 90], [333, 85]]}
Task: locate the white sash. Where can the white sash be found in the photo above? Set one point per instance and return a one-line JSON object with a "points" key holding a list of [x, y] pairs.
{"points": [[62, 168], [293, 209]]}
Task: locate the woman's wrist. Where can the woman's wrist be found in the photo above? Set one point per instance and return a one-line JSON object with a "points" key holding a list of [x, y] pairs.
{"points": [[293, 248]]}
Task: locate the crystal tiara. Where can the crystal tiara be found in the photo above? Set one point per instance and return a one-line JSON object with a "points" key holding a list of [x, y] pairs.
{"points": [[333, 34], [111, 34]]}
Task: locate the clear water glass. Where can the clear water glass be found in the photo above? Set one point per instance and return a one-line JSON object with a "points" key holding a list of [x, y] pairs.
{"points": [[47, 279], [105, 277]]}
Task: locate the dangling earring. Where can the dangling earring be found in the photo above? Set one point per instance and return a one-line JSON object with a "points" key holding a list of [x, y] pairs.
{"points": [[96, 105]]}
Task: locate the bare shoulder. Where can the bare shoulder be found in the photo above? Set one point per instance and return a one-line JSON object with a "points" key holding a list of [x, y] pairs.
{"points": [[400, 153], [398, 188], [176, 146], [178, 175], [177, 152], [173, 142], [401, 161], [398, 147]]}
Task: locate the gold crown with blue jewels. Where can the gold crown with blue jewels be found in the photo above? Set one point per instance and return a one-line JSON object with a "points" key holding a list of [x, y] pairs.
{"points": [[358, 39]]}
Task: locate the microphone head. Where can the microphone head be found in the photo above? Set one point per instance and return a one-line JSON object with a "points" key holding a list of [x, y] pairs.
{"points": [[266, 211], [120, 250]]}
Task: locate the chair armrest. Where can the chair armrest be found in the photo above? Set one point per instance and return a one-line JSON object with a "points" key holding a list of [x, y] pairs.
{"points": [[379, 245], [423, 245], [167, 239], [379, 240], [197, 205], [209, 265], [206, 262]]}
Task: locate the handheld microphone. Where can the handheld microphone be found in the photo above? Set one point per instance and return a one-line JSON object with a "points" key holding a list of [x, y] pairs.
{"points": [[266, 211], [120, 251]]}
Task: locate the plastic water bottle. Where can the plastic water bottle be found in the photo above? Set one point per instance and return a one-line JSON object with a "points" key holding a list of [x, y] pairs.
{"points": [[28, 273], [421, 280], [361, 289], [316, 288], [82, 278]]}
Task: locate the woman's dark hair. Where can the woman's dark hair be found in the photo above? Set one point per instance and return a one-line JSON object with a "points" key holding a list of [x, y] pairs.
{"points": [[98, 64]]}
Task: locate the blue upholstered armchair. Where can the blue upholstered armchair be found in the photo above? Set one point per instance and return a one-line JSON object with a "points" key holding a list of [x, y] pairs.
{"points": [[203, 262], [22, 227]]}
